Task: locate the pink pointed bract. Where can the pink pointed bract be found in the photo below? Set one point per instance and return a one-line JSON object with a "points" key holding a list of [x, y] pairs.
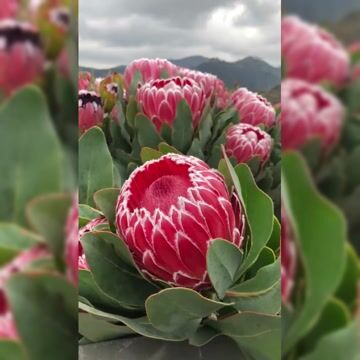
{"points": [[158, 99], [150, 69], [91, 112], [309, 112], [84, 80], [21, 56], [212, 85], [244, 142], [312, 54], [72, 242], [9, 9], [169, 211], [253, 108], [288, 259]]}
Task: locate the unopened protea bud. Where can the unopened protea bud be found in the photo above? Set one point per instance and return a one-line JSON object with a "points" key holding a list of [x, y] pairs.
{"points": [[21, 57], [84, 81], [90, 110], [169, 211], [312, 54], [244, 142], [53, 20], [212, 85], [309, 112], [253, 108], [9, 9], [150, 69], [158, 99], [109, 89]]}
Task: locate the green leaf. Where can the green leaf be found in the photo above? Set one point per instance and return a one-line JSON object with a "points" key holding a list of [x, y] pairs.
{"points": [[179, 311], [141, 325], [36, 302], [95, 165], [182, 127], [148, 154], [223, 261], [205, 129], [258, 334], [146, 131], [98, 330], [111, 268], [254, 202], [203, 335], [316, 224], [262, 293], [88, 213], [266, 257], [31, 161], [11, 350], [48, 214], [14, 239], [105, 200], [343, 342], [274, 241], [167, 149]]}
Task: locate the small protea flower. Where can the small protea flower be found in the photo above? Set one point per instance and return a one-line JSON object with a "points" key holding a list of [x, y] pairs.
{"points": [[212, 85], [21, 56], [53, 21], [244, 142], [9, 9], [253, 108], [84, 80], [309, 112], [109, 89], [169, 211], [90, 110], [150, 69], [312, 54], [288, 259], [72, 242], [99, 223], [158, 99]]}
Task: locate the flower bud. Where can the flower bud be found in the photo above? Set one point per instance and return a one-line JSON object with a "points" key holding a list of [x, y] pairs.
{"points": [[21, 57], [253, 108], [90, 110], [244, 142], [109, 89], [169, 211], [84, 81], [158, 99]]}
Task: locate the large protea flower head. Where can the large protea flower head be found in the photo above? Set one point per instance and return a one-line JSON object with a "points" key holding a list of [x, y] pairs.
{"points": [[158, 99], [109, 89], [91, 112], [244, 142], [253, 108], [21, 56], [212, 85], [169, 211], [311, 53], [288, 259], [309, 112], [53, 20], [150, 69], [9, 9]]}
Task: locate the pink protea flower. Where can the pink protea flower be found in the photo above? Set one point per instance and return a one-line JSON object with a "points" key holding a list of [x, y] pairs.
{"points": [[21, 57], [84, 80], [158, 99], [166, 214], [244, 142], [308, 112], [253, 108], [9, 9], [72, 242], [91, 112], [150, 69], [310, 53], [211, 84], [95, 224], [288, 259]]}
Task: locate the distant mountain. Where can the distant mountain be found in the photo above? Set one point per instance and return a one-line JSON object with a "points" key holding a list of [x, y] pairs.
{"points": [[251, 72]]}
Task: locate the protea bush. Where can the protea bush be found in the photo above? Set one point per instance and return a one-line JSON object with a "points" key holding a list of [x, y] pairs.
{"points": [[320, 194], [37, 132], [174, 220]]}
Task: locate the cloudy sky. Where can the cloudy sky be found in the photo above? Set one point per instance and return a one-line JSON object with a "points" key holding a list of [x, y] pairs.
{"points": [[114, 32]]}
